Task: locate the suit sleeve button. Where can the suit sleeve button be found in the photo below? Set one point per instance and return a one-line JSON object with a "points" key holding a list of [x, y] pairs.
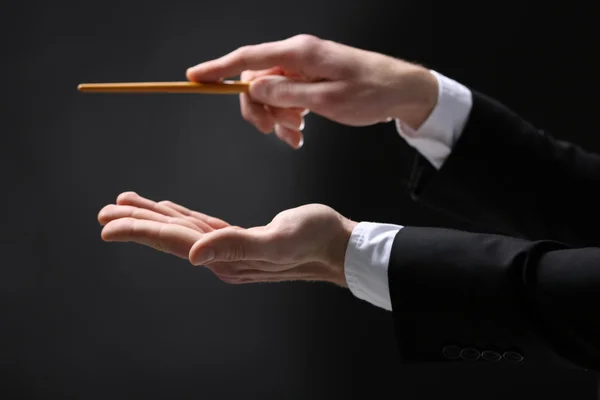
{"points": [[470, 354], [490, 355], [512, 357], [451, 352]]}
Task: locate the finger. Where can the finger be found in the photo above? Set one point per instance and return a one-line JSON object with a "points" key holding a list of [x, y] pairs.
{"points": [[298, 53], [250, 75], [173, 239], [264, 117], [292, 137], [256, 114], [290, 118], [279, 91], [200, 220], [134, 199], [229, 244], [215, 223], [112, 212]]}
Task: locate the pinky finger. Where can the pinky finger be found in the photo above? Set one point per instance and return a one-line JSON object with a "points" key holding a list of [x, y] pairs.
{"points": [[292, 137]]}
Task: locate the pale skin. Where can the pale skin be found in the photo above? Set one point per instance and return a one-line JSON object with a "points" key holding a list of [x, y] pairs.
{"points": [[288, 78]]}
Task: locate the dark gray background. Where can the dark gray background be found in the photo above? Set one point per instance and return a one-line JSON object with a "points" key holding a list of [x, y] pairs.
{"points": [[84, 319]]}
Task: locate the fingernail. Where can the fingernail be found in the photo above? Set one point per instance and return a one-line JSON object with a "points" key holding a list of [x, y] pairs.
{"points": [[206, 255], [292, 123]]}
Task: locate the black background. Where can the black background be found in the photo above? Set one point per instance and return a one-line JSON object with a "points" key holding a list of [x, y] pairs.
{"points": [[84, 319]]}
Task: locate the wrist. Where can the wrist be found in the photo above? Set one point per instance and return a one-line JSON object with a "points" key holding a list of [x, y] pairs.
{"points": [[337, 251], [417, 96]]}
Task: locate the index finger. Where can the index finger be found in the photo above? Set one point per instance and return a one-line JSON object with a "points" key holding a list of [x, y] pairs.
{"points": [[287, 54]]}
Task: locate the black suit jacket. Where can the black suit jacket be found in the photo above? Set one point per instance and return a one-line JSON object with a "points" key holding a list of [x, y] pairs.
{"points": [[528, 295]]}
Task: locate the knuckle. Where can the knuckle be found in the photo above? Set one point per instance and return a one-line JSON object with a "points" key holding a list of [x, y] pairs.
{"points": [[246, 109], [242, 54], [307, 48], [306, 40], [242, 50], [264, 129]]}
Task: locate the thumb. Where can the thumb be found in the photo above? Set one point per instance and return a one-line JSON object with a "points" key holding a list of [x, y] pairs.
{"points": [[283, 92], [231, 244]]}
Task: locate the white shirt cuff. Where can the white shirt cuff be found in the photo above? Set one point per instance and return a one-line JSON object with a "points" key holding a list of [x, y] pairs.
{"points": [[440, 131], [366, 263]]}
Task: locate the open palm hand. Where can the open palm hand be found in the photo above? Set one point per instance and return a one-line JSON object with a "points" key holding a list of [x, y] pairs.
{"points": [[303, 243]]}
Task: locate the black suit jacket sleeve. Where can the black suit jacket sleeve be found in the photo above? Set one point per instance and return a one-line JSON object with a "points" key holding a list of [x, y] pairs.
{"points": [[506, 175], [531, 298]]}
